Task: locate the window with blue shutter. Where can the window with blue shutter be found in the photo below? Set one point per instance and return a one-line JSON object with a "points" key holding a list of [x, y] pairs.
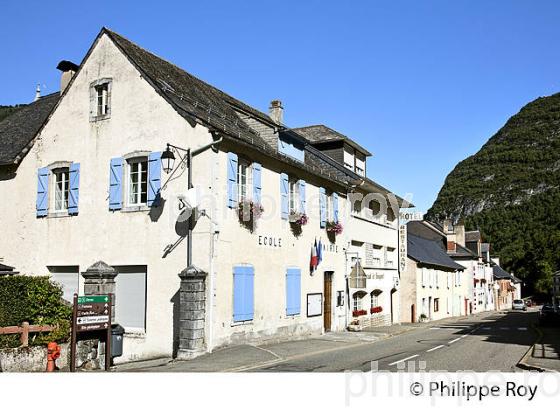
{"points": [[293, 291], [257, 182], [154, 175], [284, 196], [42, 204], [115, 184], [302, 199], [335, 206], [232, 180], [323, 207], [74, 189], [243, 293]]}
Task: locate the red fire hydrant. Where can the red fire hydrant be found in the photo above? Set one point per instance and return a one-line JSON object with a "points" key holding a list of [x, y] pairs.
{"points": [[53, 353]]}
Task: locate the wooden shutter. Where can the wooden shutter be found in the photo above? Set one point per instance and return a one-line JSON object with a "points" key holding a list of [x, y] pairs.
{"points": [[293, 292], [323, 207], [74, 189], [115, 184], [335, 207], [232, 180], [257, 182], [154, 178], [302, 199], [42, 191], [243, 293], [284, 198]]}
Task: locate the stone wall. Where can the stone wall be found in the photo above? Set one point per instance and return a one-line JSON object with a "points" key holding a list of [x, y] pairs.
{"points": [[31, 359]]}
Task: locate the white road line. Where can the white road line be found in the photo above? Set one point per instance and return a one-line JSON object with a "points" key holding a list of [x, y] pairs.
{"points": [[434, 348], [454, 340], [486, 328], [462, 337], [434, 328], [521, 328], [403, 360], [504, 328]]}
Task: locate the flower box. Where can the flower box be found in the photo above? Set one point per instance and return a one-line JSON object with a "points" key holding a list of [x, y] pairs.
{"points": [[334, 227], [376, 309], [357, 313], [298, 218]]}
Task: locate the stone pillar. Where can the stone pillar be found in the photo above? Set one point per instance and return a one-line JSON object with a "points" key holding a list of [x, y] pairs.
{"points": [[192, 312], [99, 279]]}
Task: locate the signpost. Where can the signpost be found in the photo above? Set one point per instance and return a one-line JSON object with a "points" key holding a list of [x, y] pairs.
{"points": [[91, 313]]}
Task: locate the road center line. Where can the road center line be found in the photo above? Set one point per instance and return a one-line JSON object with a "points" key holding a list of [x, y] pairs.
{"points": [[403, 360], [454, 340], [434, 348]]}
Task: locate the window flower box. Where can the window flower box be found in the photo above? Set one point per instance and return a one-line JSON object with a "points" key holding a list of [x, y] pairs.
{"points": [[334, 227], [376, 309], [299, 218], [249, 213], [358, 313]]}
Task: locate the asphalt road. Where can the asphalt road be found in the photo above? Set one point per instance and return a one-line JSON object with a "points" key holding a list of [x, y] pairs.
{"points": [[495, 341]]}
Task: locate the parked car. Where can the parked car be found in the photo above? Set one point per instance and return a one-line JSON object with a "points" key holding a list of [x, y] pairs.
{"points": [[548, 315], [518, 304]]}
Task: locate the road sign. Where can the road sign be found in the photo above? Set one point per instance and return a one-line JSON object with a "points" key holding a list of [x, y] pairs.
{"points": [[92, 299], [91, 313]]}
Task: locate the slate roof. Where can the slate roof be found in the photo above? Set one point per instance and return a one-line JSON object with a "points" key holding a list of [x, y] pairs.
{"points": [[18, 130], [472, 236], [500, 273], [434, 232], [429, 252], [321, 133]]}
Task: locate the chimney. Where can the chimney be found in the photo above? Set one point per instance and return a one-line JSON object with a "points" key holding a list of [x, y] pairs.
{"points": [[276, 111], [37, 92], [450, 235], [68, 69], [460, 232]]}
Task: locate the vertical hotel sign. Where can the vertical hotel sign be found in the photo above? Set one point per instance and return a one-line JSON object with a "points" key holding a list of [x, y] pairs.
{"points": [[402, 248]]}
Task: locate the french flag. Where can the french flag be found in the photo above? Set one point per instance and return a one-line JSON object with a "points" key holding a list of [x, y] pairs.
{"points": [[314, 259]]}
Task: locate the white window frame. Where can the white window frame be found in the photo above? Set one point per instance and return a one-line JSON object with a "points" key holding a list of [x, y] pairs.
{"points": [[60, 176], [141, 162], [293, 195], [245, 187], [101, 99]]}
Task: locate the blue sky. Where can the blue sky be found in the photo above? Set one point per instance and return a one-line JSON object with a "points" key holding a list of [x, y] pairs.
{"points": [[421, 84]]}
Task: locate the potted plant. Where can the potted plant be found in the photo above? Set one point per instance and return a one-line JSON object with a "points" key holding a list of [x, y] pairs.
{"points": [[298, 218], [334, 227], [359, 312], [423, 318], [376, 309], [249, 213]]}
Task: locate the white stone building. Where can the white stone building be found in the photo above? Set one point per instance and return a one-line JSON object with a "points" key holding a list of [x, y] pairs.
{"points": [[82, 171]]}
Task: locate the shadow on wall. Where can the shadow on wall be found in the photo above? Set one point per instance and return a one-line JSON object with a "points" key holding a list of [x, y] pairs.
{"points": [[175, 300], [7, 173], [156, 211]]}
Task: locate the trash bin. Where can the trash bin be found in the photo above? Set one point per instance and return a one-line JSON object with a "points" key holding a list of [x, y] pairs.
{"points": [[117, 332]]}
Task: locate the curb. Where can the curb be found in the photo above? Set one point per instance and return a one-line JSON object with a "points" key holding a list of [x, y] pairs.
{"points": [[522, 364]]}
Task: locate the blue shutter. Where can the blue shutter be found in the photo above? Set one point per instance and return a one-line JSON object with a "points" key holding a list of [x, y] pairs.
{"points": [[335, 207], [302, 200], [232, 180], [257, 184], [115, 184], [154, 178], [284, 188], [243, 293], [323, 207], [74, 189], [293, 292], [42, 191]]}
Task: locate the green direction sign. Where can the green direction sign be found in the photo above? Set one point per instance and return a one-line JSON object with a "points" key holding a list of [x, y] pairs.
{"points": [[92, 299]]}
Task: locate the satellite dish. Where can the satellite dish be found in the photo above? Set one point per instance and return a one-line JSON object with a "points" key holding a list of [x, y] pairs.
{"points": [[187, 204]]}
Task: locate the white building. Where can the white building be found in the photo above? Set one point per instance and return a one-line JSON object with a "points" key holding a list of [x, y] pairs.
{"points": [[82, 171]]}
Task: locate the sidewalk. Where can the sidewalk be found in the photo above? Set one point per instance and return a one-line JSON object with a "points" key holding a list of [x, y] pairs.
{"points": [[249, 356], [545, 354]]}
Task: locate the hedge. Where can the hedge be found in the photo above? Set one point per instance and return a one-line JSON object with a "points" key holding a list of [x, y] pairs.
{"points": [[37, 300]]}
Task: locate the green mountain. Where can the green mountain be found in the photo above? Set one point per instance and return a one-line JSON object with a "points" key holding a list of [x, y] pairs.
{"points": [[510, 191]]}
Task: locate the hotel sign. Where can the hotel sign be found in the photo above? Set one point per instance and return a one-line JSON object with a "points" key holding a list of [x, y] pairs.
{"points": [[402, 248]]}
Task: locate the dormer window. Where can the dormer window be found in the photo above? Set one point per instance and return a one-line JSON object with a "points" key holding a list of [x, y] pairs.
{"points": [[100, 99]]}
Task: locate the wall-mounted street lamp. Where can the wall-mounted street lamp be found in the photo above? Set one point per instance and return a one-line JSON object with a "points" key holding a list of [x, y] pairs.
{"points": [[167, 160]]}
